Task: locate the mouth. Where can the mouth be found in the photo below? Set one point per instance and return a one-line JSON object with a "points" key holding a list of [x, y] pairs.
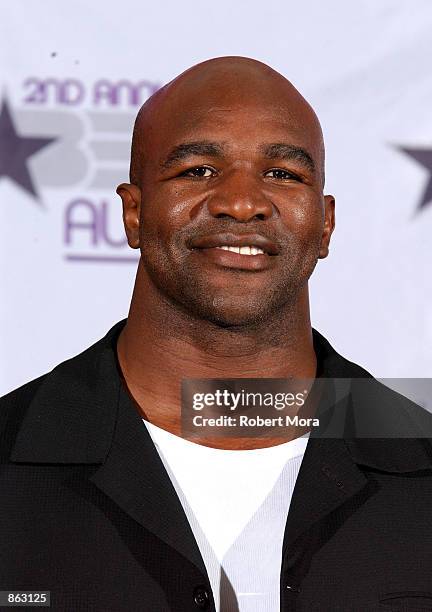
{"points": [[251, 252]]}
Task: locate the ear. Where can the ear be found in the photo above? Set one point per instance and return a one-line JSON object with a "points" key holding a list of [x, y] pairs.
{"points": [[329, 225], [131, 199]]}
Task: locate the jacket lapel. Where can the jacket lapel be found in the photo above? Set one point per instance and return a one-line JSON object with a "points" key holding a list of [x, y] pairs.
{"points": [[328, 477], [135, 478]]}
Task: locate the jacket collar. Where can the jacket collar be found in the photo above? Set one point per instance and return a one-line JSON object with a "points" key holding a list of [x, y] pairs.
{"points": [[72, 417]]}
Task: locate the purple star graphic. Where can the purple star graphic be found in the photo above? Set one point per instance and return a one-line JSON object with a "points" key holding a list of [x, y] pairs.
{"points": [[15, 151], [423, 157]]}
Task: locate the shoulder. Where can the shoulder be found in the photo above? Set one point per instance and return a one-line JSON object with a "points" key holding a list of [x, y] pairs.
{"points": [[376, 409], [67, 377], [24, 394], [19, 398], [13, 407]]}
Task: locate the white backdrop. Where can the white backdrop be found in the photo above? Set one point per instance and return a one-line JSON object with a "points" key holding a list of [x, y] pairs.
{"points": [[73, 75]]}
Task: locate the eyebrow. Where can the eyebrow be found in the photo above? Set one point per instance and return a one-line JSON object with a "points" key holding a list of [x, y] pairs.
{"points": [[189, 149], [279, 150], [290, 153]]}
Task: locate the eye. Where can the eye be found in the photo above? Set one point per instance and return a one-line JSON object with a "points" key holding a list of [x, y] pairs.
{"points": [[279, 173], [199, 172]]}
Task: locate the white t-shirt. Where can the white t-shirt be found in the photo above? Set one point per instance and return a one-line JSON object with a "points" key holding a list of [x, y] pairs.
{"points": [[237, 504]]}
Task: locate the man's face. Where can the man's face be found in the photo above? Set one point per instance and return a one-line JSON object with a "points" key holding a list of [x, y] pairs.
{"points": [[225, 176]]}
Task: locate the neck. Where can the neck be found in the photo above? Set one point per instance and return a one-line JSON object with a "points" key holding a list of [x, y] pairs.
{"points": [[161, 344]]}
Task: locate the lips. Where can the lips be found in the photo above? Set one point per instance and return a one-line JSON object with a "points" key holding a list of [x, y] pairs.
{"points": [[247, 252], [227, 239]]}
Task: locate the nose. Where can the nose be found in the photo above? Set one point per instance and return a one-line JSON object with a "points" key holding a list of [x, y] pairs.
{"points": [[241, 198]]}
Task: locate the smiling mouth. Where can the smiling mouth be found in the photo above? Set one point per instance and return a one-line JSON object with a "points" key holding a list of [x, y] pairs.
{"points": [[242, 244], [251, 252], [245, 258]]}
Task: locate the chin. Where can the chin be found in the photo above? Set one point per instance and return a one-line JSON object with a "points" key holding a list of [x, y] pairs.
{"points": [[245, 316]]}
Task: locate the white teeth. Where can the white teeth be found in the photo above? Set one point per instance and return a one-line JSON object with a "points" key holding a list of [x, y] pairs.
{"points": [[243, 250]]}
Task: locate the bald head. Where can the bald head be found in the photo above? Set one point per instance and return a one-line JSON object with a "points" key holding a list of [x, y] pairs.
{"points": [[222, 84]]}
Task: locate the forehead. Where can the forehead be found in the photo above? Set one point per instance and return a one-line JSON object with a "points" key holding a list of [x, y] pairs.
{"points": [[239, 126]]}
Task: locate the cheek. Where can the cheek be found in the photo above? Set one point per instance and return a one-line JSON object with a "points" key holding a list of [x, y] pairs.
{"points": [[159, 219], [303, 215], [165, 211]]}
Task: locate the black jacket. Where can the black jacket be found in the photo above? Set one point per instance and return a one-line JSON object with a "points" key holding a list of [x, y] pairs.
{"points": [[88, 512]]}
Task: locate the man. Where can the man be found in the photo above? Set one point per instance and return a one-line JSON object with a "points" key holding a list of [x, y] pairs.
{"points": [[104, 503]]}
